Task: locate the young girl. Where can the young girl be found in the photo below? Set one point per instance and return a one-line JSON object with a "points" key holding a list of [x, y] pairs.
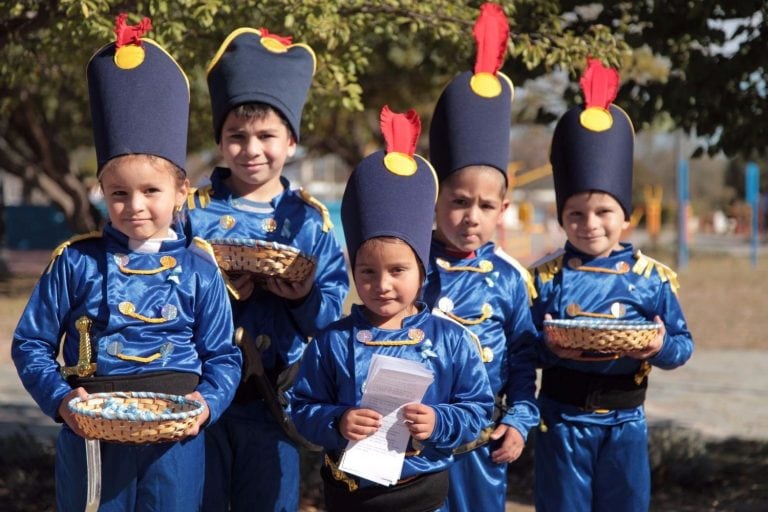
{"points": [[387, 211], [135, 307]]}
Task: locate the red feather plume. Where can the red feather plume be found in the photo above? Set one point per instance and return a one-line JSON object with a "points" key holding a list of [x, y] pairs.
{"points": [[599, 84], [130, 34], [285, 40], [491, 34], [400, 131]]}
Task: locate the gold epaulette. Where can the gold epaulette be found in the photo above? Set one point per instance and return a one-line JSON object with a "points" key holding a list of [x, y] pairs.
{"points": [[314, 203], [203, 248], [644, 266], [60, 249], [548, 266], [527, 277], [203, 197]]}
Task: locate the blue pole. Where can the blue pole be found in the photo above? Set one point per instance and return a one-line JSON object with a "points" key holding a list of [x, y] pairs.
{"points": [[752, 176], [682, 213]]}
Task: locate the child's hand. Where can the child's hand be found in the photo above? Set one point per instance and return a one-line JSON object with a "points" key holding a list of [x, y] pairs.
{"points": [[289, 290], [67, 415], [511, 446], [357, 424], [562, 353], [201, 418], [420, 420], [244, 284], [654, 346]]}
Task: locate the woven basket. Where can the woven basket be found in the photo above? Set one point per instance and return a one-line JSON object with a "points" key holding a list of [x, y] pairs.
{"points": [[135, 417], [265, 259], [601, 335]]}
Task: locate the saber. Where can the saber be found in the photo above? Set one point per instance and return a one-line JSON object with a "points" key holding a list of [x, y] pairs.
{"points": [[253, 367], [93, 462]]}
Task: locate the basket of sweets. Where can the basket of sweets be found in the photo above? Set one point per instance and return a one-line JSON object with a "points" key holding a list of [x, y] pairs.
{"points": [[262, 258], [601, 336], [135, 417]]}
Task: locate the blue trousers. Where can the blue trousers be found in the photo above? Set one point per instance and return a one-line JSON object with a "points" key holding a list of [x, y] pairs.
{"points": [[250, 463], [163, 477], [477, 483], [586, 465]]}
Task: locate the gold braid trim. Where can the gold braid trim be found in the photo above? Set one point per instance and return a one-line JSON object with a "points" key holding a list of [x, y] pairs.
{"points": [[317, 205], [645, 266], [140, 359], [483, 267], [486, 311], [166, 263], [58, 251], [339, 475], [643, 372]]}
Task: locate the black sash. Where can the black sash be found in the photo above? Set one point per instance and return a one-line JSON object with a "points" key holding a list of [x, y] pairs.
{"points": [[592, 391], [423, 493], [171, 383]]}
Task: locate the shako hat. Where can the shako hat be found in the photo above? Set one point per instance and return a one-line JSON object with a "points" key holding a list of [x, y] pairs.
{"points": [[393, 192], [254, 66], [593, 144], [139, 98], [471, 122]]}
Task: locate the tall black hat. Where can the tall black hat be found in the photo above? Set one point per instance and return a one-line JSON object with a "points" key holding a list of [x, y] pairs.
{"points": [[593, 144], [254, 66], [392, 192], [470, 125], [139, 98]]}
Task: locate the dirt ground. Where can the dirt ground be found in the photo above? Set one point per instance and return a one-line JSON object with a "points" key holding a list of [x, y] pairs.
{"points": [[724, 300]]}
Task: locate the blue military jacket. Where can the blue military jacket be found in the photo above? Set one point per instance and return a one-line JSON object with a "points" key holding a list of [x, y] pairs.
{"points": [[149, 312], [335, 367], [489, 295], [292, 218], [626, 285]]}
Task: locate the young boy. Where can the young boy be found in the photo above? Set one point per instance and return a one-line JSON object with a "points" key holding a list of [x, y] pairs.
{"points": [[387, 211], [592, 448], [470, 279], [135, 307], [258, 84]]}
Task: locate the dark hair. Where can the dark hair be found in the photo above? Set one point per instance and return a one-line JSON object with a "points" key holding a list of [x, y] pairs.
{"points": [[379, 240], [486, 169], [259, 110]]}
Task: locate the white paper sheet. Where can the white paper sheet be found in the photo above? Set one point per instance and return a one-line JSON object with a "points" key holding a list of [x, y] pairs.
{"points": [[391, 383]]}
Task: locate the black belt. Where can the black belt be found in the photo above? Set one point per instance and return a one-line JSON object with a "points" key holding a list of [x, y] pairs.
{"points": [[171, 383], [592, 391], [422, 493]]}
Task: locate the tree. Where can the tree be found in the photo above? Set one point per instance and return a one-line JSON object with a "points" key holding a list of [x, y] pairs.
{"points": [[400, 53]]}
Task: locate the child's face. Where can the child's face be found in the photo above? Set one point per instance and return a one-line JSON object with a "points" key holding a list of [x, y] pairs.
{"points": [[593, 222], [387, 278], [255, 149], [141, 193], [469, 208]]}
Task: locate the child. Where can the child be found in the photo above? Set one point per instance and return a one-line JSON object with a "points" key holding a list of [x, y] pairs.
{"points": [[258, 84], [592, 450], [387, 211], [152, 310], [470, 279]]}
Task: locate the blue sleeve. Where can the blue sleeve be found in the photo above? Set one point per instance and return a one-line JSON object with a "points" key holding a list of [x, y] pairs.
{"points": [[221, 359], [316, 411], [522, 412], [36, 339], [540, 307], [325, 300], [678, 343], [470, 408]]}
